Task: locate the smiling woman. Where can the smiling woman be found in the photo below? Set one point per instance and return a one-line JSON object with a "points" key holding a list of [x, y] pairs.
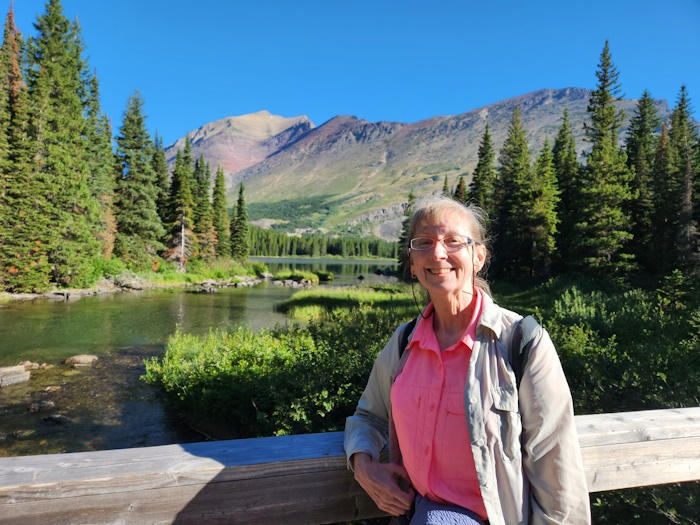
{"points": [[466, 438]]}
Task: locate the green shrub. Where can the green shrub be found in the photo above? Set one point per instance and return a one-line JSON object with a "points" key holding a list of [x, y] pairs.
{"points": [[106, 267], [286, 381], [297, 275], [324, 277]]}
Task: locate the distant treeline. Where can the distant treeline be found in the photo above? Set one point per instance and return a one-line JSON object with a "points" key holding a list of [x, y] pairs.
{"points": [[269, 243]]}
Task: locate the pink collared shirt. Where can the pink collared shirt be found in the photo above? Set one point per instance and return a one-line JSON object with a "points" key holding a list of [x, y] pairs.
{"points": [[427, 400]]}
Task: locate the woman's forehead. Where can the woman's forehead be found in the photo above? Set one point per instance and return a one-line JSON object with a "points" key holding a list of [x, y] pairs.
{"points": [[447, 221]]}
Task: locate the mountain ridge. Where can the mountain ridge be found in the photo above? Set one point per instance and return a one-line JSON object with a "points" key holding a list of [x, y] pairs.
{"points": [[364, 170]]}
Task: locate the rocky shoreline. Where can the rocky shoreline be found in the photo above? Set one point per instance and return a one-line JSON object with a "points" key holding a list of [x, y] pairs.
{"points": [[131, 282]]}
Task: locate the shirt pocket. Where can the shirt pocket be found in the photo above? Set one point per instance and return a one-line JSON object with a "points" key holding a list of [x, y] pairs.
{"points": [[505, 405], [454, 461]]}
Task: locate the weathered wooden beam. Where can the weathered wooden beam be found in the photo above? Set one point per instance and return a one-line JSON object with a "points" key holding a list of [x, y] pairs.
{"points": [[295, 479]]}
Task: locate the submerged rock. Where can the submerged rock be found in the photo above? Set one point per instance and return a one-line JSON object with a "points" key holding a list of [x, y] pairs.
{"points": [[81, 360], [41, 405], [28, 365], [10, 375]]}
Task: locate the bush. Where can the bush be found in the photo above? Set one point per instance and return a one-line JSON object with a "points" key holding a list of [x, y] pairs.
{"points": [[297, 275], [286, 381]]}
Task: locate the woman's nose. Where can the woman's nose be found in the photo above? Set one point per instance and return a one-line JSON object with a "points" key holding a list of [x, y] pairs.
{"points": [[439, 249]]}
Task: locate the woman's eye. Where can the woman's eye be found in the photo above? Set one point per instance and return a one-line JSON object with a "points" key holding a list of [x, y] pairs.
{"points": [[454, 241]]}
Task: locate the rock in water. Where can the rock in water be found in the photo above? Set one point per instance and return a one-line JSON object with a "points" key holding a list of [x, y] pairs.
{"points": [[10, 375], [81, 360]]}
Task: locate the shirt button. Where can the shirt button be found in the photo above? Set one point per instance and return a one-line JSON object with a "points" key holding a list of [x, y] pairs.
{"points": [[427, 450], [480, 443], [472, 400], [432, 407], [486, 484]]}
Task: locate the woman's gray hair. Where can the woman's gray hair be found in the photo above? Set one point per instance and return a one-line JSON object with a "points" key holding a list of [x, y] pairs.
{"points": [[428, 210]]}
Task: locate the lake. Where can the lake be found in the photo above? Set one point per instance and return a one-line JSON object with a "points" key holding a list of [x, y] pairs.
{"points": [[63, 409]]}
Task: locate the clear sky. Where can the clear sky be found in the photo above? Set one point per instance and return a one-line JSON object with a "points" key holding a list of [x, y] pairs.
{"points": [[397, 60]]}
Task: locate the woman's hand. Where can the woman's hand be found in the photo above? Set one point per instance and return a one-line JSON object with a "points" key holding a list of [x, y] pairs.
{"points": [[381, 482]]}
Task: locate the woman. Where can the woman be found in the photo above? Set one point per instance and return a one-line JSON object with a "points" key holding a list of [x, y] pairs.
{"points": [[464, 440]]}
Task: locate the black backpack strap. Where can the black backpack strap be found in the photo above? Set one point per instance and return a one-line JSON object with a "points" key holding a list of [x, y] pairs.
{"points": [[404, 336], [524, 333]]}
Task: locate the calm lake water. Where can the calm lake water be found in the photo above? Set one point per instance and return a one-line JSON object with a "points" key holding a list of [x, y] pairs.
{"points": [[106, 405]]}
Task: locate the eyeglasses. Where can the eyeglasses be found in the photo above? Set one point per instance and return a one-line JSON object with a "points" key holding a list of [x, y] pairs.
{"points": [[452, 243]]}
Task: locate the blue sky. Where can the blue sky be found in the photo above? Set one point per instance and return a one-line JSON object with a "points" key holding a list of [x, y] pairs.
{"points": [[405, 60]]}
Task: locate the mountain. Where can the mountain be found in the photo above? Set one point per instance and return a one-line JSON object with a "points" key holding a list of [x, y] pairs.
{"points": [[236, 143], [352, 175]]}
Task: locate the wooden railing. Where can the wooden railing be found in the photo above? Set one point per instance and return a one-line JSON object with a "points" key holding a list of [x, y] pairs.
{"points": [[296, 479]]}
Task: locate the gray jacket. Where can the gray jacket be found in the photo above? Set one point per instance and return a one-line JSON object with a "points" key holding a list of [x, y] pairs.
{"points": [[525, 450]]}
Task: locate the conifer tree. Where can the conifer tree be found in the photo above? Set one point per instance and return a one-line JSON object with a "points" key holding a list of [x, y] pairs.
{"points": [[404, 264], [9, 77], [513, 244], [543, 216], [482, 186], [641, 149], [160, 166], [182, 241], [446, 188], [461, 191], [683, 138], [23, 218], [139, 228], [603, 229], [666, 208], [239, 234], [57, 123], [204, 225], [566, 169], [220, 215], [100, 166]]}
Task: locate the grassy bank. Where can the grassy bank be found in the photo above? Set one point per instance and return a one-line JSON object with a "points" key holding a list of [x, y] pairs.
{"points": [[167, 273]]}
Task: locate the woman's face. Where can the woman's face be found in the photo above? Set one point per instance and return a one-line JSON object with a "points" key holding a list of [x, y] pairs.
{"points": [[445, 273]]}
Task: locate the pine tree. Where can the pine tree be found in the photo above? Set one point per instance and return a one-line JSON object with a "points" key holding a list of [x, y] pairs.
{"points": [[23, 218], [666, 208], [404, 264], [513, 244], [239, 235], [139, 228], [100, 166], [482, 186], [160, 166], [207, 238], [446, 188], [683, 138], [9, 77], [603, 230], [461, 191], [543, 216], [641, 149], [220, 215], [57, 123], [182, 241], [566, 169]]}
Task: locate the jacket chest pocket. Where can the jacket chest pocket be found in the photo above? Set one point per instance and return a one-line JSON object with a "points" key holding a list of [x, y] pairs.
{"points": [[505, 406]]}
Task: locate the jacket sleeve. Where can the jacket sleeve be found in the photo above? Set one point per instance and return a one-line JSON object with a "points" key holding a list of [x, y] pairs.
{"points": [[367, 430], [551, 451]]}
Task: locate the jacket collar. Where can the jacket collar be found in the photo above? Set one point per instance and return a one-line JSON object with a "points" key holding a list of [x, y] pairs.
{"points": [[491, 316]]}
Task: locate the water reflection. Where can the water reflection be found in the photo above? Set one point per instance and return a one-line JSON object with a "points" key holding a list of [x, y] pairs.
{"points": [[345, 272]]}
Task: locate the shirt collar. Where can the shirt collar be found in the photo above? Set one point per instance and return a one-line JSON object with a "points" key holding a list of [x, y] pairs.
{"points": [[424, 335]]}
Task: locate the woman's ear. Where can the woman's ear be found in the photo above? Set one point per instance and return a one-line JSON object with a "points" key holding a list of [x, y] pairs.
{"points": [[480, 257]]}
